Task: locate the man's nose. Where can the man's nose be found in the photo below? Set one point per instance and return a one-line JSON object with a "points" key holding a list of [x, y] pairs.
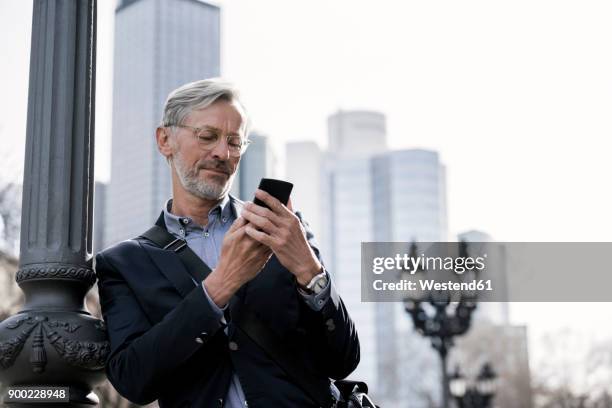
{"points": [[221, 150]]}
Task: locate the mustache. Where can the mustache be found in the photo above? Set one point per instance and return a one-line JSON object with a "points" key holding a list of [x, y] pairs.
{"points": [[218, 165]]}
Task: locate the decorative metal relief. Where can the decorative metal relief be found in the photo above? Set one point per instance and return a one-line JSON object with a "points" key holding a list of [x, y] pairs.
{"points": [[83, 354], [56, 272]]}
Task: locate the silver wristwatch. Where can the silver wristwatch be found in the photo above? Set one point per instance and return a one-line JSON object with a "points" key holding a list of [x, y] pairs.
{"points": [[317, 283]]}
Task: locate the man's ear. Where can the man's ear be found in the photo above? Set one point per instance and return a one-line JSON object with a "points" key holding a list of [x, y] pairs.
{"points": [[164, 144]]}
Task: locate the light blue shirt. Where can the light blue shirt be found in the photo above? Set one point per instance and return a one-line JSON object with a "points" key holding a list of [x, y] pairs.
{"points": [[206, 242]]}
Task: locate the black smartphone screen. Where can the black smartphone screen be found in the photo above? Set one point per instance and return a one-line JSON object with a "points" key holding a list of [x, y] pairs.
{"points": [[279, 189]]}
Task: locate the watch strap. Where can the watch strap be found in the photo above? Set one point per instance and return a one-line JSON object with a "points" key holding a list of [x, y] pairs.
{"points": [[309, 288]]}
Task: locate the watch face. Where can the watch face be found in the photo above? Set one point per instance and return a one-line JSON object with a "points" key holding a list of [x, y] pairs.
{"points": [[320, 284]]}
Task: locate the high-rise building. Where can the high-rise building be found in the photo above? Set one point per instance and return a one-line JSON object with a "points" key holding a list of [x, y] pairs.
{"points": [[99, 221], [303, 163], [409, 205], [474, 236], [347, 222], [373, 194], [347, 209], [357, 133], [410, 197], [257, 162], [159, 45], [493, 312]]}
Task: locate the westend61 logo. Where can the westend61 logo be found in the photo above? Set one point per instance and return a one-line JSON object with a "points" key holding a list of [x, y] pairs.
{"points": [[411, 264]]}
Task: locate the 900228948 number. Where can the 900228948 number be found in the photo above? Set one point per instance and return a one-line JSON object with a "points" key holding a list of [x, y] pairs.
{"points": [[36, 394]]}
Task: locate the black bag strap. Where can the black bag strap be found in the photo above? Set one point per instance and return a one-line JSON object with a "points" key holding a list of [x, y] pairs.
{"points": [[163, 239], [246, 320]]}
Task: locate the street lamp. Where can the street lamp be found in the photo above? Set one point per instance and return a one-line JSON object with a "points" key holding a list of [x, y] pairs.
{"points": [[479, 395], [486, 384], [457, 384], [434, 315], [52, 353]]}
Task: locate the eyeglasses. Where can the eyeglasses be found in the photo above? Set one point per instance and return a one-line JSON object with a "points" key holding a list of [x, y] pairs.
{"points": [[209, 139]]}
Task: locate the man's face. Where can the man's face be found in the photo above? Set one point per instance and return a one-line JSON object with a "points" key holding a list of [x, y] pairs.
{"points": [[208, 174]]}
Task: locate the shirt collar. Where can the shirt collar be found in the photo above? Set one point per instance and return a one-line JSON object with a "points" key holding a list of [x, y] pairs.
{"points": [[175, 223]]}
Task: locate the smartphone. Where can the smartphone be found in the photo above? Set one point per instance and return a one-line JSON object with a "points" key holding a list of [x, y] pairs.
{"points": [[279, 189]]}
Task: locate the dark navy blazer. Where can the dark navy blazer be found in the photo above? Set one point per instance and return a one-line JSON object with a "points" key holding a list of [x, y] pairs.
{"points": [[167, 343]]}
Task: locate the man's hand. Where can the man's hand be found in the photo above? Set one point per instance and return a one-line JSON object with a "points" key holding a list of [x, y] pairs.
{"points": [[280, 229], [241, 259]]}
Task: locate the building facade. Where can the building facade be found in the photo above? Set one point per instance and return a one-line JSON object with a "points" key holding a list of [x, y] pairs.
{"points": [[99, 221], [159, 45], [497, 269], [258, 161], [303, 163], [370, 193], [409, 205]]}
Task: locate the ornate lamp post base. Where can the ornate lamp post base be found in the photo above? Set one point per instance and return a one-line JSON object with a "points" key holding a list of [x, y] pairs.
{"points": [[54, 341], [54, 348]]}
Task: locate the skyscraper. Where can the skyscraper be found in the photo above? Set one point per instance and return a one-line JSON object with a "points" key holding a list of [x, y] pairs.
{"points": [[99, 220], [354, 136], [303, 162], [494, 312], [357, 133], [257, 162], [409, 205], [411, 196], [372, 194], [159, 45]]}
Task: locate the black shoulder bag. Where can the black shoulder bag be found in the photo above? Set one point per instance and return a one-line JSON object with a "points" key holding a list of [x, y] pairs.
{"points": [[353, 394]]}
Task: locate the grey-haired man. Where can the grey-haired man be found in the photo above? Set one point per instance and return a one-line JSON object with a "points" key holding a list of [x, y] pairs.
{"points": [[173, 336]]}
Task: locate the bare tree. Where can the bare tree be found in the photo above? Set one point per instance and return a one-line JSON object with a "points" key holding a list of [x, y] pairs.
{"points": [[505, 348], [576, 372], [10, 296], [10, 217]]}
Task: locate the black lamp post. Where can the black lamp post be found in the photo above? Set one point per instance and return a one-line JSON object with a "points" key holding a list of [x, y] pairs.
{"points": [[480, 394], [458, 387], [53, 340], [486, 384], [441, 319]]}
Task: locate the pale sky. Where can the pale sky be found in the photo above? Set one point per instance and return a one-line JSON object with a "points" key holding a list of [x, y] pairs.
{"points": [[515, 95]]}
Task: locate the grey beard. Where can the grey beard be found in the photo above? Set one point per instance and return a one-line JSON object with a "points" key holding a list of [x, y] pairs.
{"points": [[200, 188]]}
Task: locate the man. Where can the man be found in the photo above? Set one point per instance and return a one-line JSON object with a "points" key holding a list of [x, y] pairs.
{"points": [[175, 337]]}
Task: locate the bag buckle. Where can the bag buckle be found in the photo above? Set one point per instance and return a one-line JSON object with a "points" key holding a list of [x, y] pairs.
{"points": [[181, 245]]}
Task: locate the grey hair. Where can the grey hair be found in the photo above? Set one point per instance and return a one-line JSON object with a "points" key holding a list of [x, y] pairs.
{"points": [[199, 95]]}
